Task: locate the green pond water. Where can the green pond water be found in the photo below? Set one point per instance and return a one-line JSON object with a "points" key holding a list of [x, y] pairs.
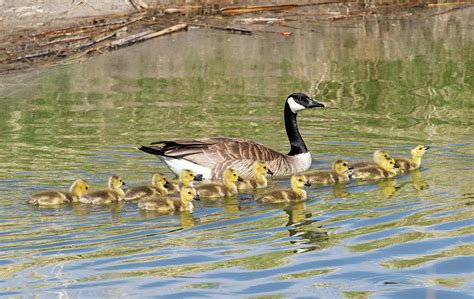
{"points": [[388, 85]]}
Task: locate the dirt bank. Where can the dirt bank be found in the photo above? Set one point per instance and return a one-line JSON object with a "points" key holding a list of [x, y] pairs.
{"points": [[38, 33]]}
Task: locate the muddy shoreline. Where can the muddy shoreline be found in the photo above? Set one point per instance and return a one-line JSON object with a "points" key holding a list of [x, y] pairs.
{"points": [[68, 40]]}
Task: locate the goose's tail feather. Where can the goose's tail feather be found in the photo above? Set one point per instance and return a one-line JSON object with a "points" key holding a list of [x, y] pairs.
{"points": [[154, 150]]}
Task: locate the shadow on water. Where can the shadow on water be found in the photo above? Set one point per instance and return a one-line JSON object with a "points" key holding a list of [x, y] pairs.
{"points": [[389, 84]]}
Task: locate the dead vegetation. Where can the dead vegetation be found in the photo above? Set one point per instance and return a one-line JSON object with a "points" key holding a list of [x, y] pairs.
{"points": [[91, 36]]}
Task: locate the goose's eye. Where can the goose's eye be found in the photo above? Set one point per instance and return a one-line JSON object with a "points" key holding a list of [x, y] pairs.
{"points": [[87, 188], [300, 180], [189, 193], [344, 164], [264, 167]]}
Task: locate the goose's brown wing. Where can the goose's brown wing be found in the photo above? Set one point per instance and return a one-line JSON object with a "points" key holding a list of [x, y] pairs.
{"points": [[216, 154]]}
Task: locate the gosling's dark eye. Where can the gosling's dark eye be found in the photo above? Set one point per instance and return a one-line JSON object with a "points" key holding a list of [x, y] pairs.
{"points": [[344, 164], [87, 188], [300, 180], [264, 167], [189, 192]]}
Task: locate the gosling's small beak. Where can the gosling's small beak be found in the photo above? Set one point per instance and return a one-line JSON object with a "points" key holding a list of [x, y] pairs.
{"points": [[269, 172], [196, 197], [307, 184], [427, 147], [167, 184], [396, 165], [314, 104], [240, 179], [350, 168], [123, 183], [198, 177]]}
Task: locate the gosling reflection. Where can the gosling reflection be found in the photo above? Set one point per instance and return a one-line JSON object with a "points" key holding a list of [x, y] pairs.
{"points": [[388, 187], [186, 218], [340, 191], [299, 222], [417, 180]]}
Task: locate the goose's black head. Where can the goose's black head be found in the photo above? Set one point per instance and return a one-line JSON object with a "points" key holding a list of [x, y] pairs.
{"points": [[299, 101]]}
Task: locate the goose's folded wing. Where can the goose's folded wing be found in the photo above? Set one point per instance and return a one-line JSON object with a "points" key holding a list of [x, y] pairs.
{"points": [[216, 153]]}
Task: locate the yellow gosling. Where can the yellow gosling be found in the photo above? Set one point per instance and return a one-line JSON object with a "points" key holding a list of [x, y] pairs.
{"points": [[50, 198], [113, 194], [259, 180], [415, 162], [340, 172], [296, 193], [170, 204], [386, 168], [378, 156], [185, 177], [158, 186], [228, 186]]}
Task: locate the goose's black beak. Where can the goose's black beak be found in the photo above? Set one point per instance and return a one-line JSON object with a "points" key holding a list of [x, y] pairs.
{"points": [[198, 177], [167, 184], [196, 197], [269, 172], [427, 147], [240, 179], [313, 104], [307, 184]]}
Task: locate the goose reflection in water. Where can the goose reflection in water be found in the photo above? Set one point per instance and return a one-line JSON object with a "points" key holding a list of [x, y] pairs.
{"points": [[300, 226]]}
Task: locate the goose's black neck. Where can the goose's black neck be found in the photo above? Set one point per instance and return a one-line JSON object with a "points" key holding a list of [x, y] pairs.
{"points": [[291, 126]]}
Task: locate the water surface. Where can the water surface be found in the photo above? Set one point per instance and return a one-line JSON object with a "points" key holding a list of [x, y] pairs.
{"points": [[388, 84]]}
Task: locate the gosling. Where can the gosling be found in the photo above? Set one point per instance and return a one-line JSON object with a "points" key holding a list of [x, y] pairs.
{"points": [[296, 193], [415, 162], [386, 168], [185, 177], [340, 172], [378, 156], [50, 198], [113, 194], [158, 186], [164, 204], [259, 180], [227, 188]]}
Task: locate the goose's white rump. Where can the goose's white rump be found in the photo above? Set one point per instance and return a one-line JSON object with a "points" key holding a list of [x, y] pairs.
{"points": [[211, 156]]}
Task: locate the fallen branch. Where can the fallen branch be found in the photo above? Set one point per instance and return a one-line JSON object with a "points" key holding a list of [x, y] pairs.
{"points": [[146, 36], [226, 28], [238, 10]]}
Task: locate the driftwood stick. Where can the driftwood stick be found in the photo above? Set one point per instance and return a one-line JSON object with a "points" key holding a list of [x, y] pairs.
{"points": [[226, 28], [146, 35], [237, 10]]}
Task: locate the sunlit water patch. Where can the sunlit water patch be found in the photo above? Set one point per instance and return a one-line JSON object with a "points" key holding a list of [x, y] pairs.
{"points": [[388, 85]]}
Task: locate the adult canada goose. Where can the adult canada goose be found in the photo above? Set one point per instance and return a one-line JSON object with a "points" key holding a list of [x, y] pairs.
{"points": [[226, 188], [296, 193], [49, 198], [386, 168], [211, 156], [340, 172], [158, 186], [170, 204], [377, 157], [415, 162], [259, 180], [113, 194], [185, 178]]}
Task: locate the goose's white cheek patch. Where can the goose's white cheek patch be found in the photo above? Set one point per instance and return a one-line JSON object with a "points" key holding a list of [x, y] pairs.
{"points": [[295, 107]]}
